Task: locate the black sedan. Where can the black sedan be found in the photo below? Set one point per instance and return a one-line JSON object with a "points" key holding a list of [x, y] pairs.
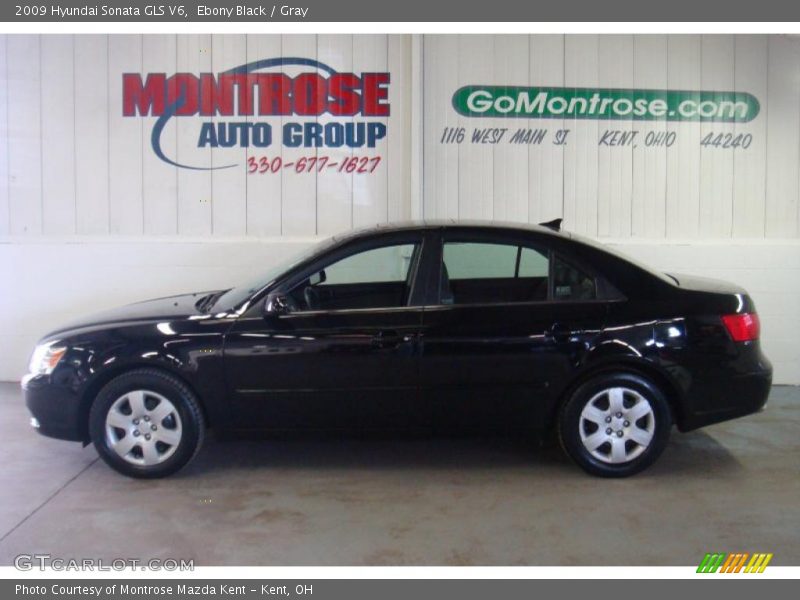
{"points": [[424, 327]]}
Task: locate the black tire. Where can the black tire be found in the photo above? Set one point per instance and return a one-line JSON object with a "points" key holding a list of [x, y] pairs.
{"points": [[570, 425], [192, 423]]}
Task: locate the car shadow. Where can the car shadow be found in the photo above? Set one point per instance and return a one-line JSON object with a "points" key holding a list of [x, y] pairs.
{"points": [[694, 453]]}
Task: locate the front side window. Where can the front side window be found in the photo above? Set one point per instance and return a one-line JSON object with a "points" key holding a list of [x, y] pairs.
{"points": [[374, 278], [479, 272]]}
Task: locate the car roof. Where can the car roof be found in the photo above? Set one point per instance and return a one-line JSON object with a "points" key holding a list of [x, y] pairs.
{"points": [[483, 225]]}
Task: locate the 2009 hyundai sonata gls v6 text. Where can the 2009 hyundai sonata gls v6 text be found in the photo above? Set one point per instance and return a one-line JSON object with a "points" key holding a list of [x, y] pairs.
{"points": [[427, 327]]}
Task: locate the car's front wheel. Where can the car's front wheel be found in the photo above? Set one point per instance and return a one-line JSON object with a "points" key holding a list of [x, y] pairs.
{"points": [[146, 423], [615, 425]]}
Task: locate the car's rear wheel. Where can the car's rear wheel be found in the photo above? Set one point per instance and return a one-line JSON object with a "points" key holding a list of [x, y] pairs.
{"points": [[615, 425], [146, 423]]}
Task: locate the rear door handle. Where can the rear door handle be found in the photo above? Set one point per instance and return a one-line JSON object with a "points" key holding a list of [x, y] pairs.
{"points": [[386, 339]]}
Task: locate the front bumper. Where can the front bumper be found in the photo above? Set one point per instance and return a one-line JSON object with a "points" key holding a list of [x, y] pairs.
{"points": [[56, 408]]}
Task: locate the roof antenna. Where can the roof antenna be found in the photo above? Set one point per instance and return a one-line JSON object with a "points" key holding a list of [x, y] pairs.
{"points": [[555, 224]]}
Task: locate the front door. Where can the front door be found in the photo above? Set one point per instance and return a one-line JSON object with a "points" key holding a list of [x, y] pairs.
{"points": [[344, 355]]}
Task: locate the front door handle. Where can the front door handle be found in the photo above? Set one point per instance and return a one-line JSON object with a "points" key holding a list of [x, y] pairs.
{"points": [[558, 331], [386, 339]]}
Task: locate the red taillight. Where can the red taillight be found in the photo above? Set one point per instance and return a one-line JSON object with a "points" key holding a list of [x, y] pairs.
{"points": [[744, 327]]}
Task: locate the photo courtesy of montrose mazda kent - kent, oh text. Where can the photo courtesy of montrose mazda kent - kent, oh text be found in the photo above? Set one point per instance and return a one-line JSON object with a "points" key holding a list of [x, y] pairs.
{"points": [[427, 327]]}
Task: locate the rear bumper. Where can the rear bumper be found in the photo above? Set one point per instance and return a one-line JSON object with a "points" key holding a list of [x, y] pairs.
{"points": [[727, 397], [56, 408]]}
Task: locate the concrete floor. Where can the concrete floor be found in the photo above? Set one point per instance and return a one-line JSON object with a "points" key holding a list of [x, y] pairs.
{"points": [[732, 487]]}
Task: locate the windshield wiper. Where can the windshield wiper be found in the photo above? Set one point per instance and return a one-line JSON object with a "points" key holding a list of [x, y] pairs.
{"points": [[207, 301]]}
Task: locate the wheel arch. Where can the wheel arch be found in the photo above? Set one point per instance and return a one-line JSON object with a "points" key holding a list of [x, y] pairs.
{"points": [[627, 365], [107, 375]]}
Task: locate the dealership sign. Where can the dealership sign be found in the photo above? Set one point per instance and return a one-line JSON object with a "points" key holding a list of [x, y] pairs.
{"points": [[238, 107], [602, 103]]}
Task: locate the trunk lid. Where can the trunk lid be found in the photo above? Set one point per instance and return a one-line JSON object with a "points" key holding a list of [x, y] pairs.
{"points": [[706, 284]]}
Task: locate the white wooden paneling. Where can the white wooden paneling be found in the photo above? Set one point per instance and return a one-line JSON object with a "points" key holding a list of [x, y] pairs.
{"points": [[649, 162], [91, 133], [194, 186], [159, 179], [70, 162], [783, 129], [475, 160], [299, 199], [398, 150], [679, 191], [229, 185], [440, 160], [716, 164], [4, 135], [126, 213], [335, 197], [615, 163], [750, 164], [510, 169], [370, 55], [684, 61], [58, 134], [264, 191], [580, 152], [546, 161], [24, 129]]}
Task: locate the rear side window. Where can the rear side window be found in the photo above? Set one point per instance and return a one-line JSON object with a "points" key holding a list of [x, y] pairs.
{"points": [[476, 272], [572, 283], [470, 260]]}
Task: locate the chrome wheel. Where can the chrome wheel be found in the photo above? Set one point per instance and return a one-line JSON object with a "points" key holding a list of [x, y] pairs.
{"points": [[617, 425], [143, 427]]}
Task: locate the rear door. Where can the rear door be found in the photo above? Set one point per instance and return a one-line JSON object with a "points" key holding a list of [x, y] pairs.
{"points": [[508, 324]]}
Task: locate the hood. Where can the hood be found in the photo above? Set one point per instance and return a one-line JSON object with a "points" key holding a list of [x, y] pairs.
{"points": [[159, 309]]}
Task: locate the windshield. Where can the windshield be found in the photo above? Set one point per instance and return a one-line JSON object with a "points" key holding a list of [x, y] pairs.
{"points": [[234, 297]]}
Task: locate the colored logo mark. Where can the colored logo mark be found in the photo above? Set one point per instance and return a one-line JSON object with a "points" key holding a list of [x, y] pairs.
{"points": [[604, 103], [734, 562]]}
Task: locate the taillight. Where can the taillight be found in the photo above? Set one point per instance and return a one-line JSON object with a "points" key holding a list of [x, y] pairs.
{"points": [[743, 328]]}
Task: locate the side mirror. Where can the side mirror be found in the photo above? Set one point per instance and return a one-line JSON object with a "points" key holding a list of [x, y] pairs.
{"points": [[317, 278], [277, 305]]}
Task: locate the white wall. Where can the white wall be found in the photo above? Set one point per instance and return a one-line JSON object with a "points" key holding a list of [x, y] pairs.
{"points": [[77, 166], [90, 218], [682, 192]]}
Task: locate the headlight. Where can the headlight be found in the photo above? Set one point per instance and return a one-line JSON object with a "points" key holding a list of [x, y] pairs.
{"points": [[45, 358]]}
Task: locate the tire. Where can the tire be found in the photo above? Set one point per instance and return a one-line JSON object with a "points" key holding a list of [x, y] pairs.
{"points": [[603, 443], [146, 424]]}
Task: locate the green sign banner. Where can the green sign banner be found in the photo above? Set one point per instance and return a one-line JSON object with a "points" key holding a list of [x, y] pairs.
{"points": [[600, 103]]}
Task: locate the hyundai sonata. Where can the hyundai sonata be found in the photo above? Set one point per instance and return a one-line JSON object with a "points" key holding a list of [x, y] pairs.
{"points": [[426, 327]]}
